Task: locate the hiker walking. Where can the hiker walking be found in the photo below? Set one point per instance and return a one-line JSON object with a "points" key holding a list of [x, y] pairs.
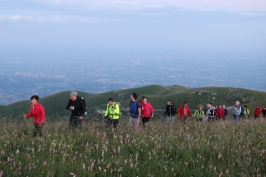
{"points": [[112, 114], [38, 114], [236, 111], [184, 112], [146, 111], [199, 114], [246, 112], [257, 112], [219, 113], [135, 111], [210, 112], [225, 112], [264, 112], [78, 109], [170, 111]]}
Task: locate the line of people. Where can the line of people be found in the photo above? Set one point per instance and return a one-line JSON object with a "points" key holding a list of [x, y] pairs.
{"points": [[138, 109]]}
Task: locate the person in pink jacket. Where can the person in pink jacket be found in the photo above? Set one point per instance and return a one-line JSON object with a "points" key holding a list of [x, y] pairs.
{"points": [[38, 114], [146, 109]]}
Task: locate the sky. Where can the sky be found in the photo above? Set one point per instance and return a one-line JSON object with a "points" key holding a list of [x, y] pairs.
{"points": [[130, 27]]}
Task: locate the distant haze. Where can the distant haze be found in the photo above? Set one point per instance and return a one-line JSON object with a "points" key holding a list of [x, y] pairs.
{"points": [[94, 46]]}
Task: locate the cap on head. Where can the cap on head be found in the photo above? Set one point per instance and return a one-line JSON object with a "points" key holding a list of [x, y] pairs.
{"points": [[185, 102], [73, 93]]}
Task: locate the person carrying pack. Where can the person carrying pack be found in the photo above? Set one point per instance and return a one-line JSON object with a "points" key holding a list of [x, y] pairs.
{"points": [[146, 110], [170, 111], [246, 112], [135, 111], [236, 111], [210, 112], [78, 110], [199, 114], [184, 112], [112, 114]]}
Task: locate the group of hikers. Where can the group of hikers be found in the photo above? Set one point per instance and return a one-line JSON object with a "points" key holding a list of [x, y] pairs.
{"points": [[138, 109]]}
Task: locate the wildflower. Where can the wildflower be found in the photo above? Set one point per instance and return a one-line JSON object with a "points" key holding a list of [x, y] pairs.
{"points": [[83, 166], [44, 163], [17, 151], [2, 152], [227, 171], [219, 156]]}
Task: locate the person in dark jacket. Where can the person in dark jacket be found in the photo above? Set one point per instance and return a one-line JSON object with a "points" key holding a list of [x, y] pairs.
{"points": [[77, 108], [38, 113], [225, 112], [264, 112], [170, 111]]}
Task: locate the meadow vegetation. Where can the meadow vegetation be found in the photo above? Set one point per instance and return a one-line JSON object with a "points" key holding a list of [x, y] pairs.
{"points": [[222, 148]]}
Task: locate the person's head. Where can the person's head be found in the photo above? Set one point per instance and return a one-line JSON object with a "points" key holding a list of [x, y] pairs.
{"points": [[220, 106], [258, 106], [200, 107], [169, 102], [133, 96], [208, 105], [224, 106], [245, 106], [110, 101], [73, 95], [144, 99], [185, 103], [237, 103], [34, 99]]}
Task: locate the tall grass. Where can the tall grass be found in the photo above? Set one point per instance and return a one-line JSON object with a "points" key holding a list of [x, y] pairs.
{"points": [[222, 148]]}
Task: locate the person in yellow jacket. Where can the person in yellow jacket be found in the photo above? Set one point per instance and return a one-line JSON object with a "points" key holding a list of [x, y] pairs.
{"points": [[112, 114]]}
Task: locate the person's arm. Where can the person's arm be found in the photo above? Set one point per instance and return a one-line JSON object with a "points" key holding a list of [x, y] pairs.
{"points": [[30, 114], [139, 111], [152, 110], [42, 114], [68, 105], [195, 113], [166, 110], [106, 111]]}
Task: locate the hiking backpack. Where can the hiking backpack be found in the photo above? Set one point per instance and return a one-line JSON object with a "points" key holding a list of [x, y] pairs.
{"points": [[84, 102], [138, 102]]}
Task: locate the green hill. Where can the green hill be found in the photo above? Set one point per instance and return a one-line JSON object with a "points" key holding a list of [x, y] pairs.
{"points": [[156, 94]]}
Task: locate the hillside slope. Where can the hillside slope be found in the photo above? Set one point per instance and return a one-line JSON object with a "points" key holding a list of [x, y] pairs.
{"points": [[158, 95]]}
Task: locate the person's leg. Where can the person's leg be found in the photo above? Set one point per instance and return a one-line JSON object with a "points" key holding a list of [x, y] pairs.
{"points": [[143, 121], [200, 119], [40, 130], [108, 122], [35, 131], [80, 122], [115, 123]]}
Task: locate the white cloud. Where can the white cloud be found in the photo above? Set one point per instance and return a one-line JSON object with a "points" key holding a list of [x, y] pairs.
{"points": [[55, 19]]}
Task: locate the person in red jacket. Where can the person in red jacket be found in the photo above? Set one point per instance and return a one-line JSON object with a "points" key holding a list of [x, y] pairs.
{"points": [[257, 112], [38, 113], [146, 109], [184, 111], [219, 113]]}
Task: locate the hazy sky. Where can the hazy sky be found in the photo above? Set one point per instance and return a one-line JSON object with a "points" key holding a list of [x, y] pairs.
{"points": [[233, 27]]}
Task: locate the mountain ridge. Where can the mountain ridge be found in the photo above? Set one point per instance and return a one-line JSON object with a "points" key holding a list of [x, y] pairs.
{"points": [[158, 95]]}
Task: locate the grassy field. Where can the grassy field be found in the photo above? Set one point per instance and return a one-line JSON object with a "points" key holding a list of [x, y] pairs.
{"points": [[222, 148]]}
